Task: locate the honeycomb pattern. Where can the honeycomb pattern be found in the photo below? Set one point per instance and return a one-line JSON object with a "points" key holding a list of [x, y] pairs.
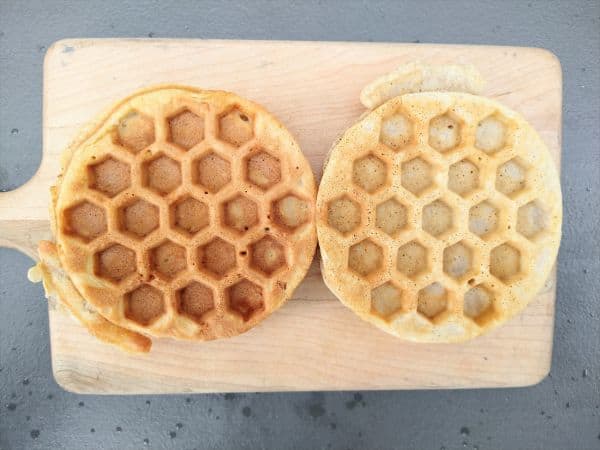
{"points": [[412, 259], [290, 212], [386, 300], [168, 259], [115, 262], [240, 213], [463, 177], [511, 178], [135, 132], [458, 260], [432, 300], [532, 219], [85, 220], [416, 175], [390, 216], [110, 177], [263, 170], [396, 131], [490, 136], [369, 173], [479, 304], [138, 218], [365, 258], [162, 174], [483, 219], [186, 129], [236, 127], [194, 209], [436, 217], [144, 305], [189, 215], [343, 214], [213, 172], [195, 301], [217, 257], [245, 298], [267, 255], [505, 262], [444, 133]]}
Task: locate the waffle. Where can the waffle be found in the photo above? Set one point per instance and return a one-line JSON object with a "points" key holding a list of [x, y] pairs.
{"points": [[438, 216], [418, 77], [185, 213]]}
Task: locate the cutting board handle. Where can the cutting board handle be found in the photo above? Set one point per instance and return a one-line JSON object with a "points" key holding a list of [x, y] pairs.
{"points": [[24, 219]]}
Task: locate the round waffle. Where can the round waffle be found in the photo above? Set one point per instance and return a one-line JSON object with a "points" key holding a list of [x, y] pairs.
{"points": [[185, 213], [438, 216]]}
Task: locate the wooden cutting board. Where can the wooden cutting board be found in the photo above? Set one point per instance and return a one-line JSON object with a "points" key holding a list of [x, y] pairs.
{"points": [[313, 342]]}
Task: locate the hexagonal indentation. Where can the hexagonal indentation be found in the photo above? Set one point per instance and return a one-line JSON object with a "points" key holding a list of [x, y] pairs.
{"points": [[505, 262], [463, 177], [195, 300], [343, 214], [458, 259], [432, 300], [213, 172], [478, 304], [437, 218], [189, 215], [369, 172], [365, 257], [490, 135], [168, 259], [139, 218], [390, 216], [411, 259], [240, 213], [86, 220], [144, 304], [110, 177], [396, 131], [416, 175], [386, 300], [162, 174], [511, 177], [483, 218], [245, 298], [532, 219], [217, 257], [444, 133], [263, 170], [186, 129], [135, 131], [115, 262], [291, 211], [236, 127], [267, 255]]}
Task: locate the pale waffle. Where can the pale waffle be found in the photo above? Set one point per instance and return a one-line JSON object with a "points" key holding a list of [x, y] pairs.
{"points": [[185, 213], [438, 216]]}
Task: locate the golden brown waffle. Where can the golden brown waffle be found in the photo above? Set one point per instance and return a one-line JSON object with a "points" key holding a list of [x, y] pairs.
{"points": [[438, 216], [185, 213]]}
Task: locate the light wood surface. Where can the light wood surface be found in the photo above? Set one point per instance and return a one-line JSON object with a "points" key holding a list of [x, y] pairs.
{"points": [[313, 342]]}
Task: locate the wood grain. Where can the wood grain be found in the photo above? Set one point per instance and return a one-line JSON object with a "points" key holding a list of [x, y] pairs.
{"points": [[313, 342]]}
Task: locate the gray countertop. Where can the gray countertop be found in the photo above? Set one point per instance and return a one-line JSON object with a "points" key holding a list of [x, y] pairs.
{"points": [[561, 412]]}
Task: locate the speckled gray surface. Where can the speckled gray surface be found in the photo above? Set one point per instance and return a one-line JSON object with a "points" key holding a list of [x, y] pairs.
{"points": [[561, 412]]}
